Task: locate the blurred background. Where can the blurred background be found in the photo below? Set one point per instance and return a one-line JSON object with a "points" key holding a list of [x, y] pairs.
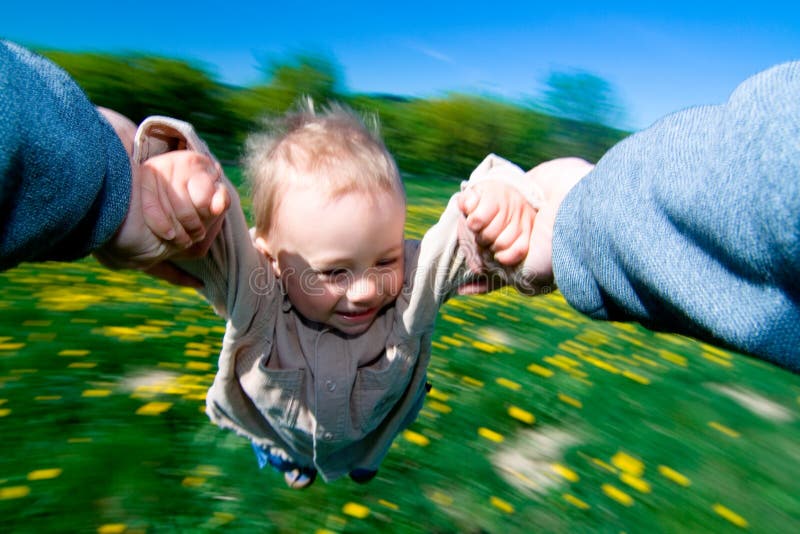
{"points": [[539, 421]]}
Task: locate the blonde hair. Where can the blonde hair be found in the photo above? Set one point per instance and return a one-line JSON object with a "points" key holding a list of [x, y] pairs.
{"points": [[332, 150]]}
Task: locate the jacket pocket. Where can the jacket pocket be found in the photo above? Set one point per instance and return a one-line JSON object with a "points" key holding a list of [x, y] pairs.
{"points": [[278, 394], [377, 390]]}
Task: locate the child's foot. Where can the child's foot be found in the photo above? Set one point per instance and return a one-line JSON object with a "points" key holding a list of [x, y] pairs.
{"points": [[362, 476], [300, 478]]}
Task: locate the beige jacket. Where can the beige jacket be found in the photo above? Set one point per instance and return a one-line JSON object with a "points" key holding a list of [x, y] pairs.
{"points": [[326, 401]]}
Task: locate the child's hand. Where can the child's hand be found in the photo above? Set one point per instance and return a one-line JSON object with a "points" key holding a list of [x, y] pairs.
{"points": [[501, 219]]}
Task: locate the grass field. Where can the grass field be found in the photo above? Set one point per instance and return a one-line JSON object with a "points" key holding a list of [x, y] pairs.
{"points": [[539, 421]]}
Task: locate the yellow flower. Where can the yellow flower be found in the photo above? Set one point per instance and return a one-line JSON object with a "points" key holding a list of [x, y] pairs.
{"points": [[44, 474], [416, 438], [491, 435], [566, 472], [730, 515], [617, 494], [500, 504], [521, 415], [359, 511], [674, 476], [628, 464]]}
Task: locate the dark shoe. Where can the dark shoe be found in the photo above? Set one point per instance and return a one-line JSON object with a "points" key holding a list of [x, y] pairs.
{"points": [[362, 476]]}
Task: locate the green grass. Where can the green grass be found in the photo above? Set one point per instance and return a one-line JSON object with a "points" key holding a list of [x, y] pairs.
{"points": [[540, 420]]}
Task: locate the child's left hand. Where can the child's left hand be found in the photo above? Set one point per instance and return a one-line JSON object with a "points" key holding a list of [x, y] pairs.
{"points": [[501, 219]]}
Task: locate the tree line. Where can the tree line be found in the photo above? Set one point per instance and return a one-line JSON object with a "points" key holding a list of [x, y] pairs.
{"points": [[445, 136]]}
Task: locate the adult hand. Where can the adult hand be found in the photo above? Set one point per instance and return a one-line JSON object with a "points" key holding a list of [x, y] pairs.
{"points": [[555, 178], [518, 235], [176, 210]]}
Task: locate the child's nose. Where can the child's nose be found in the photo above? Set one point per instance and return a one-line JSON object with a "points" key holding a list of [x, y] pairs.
{"points": [[363, 289]]}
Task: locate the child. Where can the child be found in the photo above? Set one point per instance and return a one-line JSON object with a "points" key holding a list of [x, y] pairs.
{"points": [[330, 311]]}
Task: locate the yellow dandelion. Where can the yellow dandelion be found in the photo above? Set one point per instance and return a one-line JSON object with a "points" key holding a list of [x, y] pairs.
{"points": [[539, 370], [359, 511], [565, 472], [441, 499], [452, 319], [44, 474], [510, 384], [472, 381], [387, 504], [4, 412], [674, 476], [716, 359], [628, 464], [82, 365], [73, 353], [576, 502], [439, 407], [636, 483], [730, 515], [636, 377], [438, 395], [671, 357], [439, 346], [566, 399], [193, 482], [617, 494], [198, 366], [491, 435], [96, 393], [112, 528], [724, 429], [45, 398], [485, 347], [501, 505], [452, 341], [11, 346], [154, 408], [521, 415], [14, 492], [416, 438], [600, 463]]}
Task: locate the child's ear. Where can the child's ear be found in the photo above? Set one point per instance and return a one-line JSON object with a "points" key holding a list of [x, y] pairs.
{"points": [[263, 247]]}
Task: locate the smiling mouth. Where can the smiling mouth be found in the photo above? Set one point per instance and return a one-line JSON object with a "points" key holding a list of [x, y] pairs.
{"points": [[358, 316]]}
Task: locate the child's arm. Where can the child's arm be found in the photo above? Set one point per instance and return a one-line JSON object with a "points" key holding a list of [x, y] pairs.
{"points": [[234, 276]]}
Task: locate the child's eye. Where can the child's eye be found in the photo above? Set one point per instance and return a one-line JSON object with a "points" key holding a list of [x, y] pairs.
{"points": [[332, 273], [387, 262]]}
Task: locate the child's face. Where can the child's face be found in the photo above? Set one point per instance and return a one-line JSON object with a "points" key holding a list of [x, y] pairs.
{"points": [[340, 259]]}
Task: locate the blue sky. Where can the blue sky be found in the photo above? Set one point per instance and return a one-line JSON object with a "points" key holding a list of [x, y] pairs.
{"points": [[660, 58]]}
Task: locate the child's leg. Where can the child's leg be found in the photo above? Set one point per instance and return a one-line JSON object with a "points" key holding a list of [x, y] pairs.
{"points": [[296, 476]]}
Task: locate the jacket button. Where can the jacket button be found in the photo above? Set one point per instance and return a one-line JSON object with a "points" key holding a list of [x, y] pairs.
{"points": [[327, 436], [331, 385]]}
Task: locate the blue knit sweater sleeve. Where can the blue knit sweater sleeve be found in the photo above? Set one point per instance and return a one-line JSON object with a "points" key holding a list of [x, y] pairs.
{"points": [[693, 225], [65, 176]]}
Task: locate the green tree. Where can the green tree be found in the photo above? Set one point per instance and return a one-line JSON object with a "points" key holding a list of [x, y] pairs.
{"points": [[583, 97]]}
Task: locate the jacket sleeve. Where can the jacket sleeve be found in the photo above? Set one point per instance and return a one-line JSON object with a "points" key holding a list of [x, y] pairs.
{"points": [[448, 256], [237, 279], [65, 177], [693, 225]]}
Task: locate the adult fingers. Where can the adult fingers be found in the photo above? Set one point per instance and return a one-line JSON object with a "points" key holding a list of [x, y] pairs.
{"points": [[155, 216]]}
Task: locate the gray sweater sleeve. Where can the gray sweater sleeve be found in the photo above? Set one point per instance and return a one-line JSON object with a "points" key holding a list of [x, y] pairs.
{"points": [[693, 225], [65, 177]]}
